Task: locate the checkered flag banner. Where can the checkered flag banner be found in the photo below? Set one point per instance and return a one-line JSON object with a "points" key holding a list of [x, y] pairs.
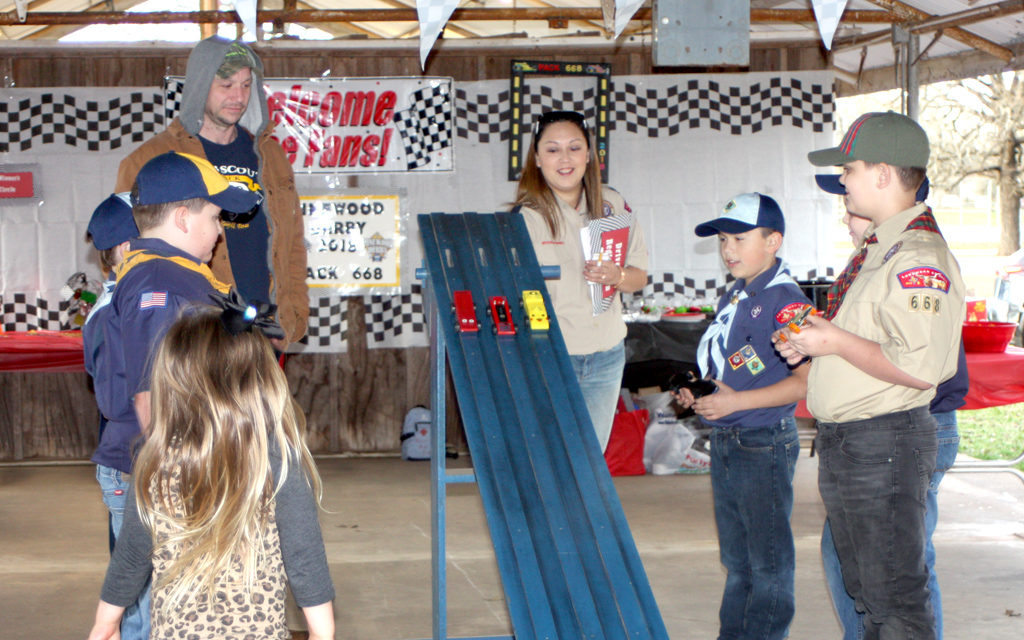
{"points": [[433, 14], [662, 110], [396, 321], [19, 312], [426, 126], [828, 13], [173, 88], [29, 118], [327, 327]]}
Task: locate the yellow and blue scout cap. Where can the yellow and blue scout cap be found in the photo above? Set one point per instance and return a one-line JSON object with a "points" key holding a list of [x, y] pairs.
{"points": [[174, 176], [829, 182], [112, 222], [745, 212]]}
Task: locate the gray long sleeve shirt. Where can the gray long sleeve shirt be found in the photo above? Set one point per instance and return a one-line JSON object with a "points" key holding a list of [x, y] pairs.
{"points": [[302, 546]]}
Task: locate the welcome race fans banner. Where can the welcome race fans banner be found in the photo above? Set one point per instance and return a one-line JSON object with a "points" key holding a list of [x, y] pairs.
{"points": [[356, 125]]}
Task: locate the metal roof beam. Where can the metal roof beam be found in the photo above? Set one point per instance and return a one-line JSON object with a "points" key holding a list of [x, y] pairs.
{"points": [[914, 15], [757, 16]]}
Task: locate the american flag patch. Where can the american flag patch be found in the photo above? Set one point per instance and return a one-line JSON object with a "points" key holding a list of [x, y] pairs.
{"points": [[153, 299]]}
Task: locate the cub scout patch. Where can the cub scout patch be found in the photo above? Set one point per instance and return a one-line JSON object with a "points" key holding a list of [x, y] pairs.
{"points": [[924, 278], [789, 311], [755, 366], [747, 356], [756, 311]]}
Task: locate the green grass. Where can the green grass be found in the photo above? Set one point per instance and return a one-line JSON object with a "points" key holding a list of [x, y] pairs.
{"points": [[995, 433]]}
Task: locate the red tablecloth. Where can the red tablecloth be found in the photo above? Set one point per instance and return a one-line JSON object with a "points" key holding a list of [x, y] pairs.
{"points": [[995, 379], [48, 351]]}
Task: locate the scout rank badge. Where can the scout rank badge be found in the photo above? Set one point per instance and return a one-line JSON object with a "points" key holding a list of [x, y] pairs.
{"points": [[747, 356]]}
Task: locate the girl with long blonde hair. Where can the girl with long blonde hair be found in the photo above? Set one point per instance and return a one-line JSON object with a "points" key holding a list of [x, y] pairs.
{"points": [[559, 194], [224, 510]]}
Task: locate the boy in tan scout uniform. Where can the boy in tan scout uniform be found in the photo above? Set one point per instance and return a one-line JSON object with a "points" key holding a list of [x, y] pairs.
{"points": [[890, 335]]}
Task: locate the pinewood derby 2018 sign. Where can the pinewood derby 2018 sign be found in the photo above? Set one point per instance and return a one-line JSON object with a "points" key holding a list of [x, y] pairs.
{"points": [[357, 125], [352, 243]]}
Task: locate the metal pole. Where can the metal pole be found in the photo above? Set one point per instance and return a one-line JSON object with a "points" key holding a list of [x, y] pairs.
{"points": [[913, 87], [438, 472]]}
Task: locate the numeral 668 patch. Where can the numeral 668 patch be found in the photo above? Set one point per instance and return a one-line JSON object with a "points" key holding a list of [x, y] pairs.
{"points": [[924, 303]]}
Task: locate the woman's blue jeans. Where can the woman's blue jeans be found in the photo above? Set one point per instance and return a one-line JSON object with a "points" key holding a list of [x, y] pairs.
{"points": [[752, 483], [873, 476], [849, 618], [600, 378]]}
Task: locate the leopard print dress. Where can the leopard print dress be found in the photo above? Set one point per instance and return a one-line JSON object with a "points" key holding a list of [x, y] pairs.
{"points": [[235, 613]]}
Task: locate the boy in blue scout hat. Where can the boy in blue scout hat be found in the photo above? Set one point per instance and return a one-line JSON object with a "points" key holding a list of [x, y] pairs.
{"points": [[111, 227], [890, 335], [754, 441], [176, 203]]}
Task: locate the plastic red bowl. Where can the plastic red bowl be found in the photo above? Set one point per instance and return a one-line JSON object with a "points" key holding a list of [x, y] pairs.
{"points": [[987, 337]]}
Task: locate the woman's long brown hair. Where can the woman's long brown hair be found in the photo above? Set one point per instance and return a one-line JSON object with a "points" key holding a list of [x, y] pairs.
{"points": [[533, 190]]}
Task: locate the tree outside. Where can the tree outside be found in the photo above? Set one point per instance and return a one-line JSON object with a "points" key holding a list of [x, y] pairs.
{"points": [[976, 129]]}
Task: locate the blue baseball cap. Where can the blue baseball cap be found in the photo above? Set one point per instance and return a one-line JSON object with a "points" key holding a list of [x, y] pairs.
{"points": [[174, 176], [112, 222], [743, 213], [830, 182]]}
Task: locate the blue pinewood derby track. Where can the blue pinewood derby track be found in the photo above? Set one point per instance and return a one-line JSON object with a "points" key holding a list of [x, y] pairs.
{"points": [[568, 563]]}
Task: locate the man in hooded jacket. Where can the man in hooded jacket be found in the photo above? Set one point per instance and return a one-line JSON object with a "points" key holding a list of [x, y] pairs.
{"points": [[224, 118]]}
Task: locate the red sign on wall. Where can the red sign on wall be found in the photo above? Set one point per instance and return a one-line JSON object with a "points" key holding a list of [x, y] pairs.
{"points": [[16, 184]]}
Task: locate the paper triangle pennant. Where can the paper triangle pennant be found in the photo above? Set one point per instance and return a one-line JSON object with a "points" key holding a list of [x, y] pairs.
{"points": [[624, 10], [247, 12], [433, 14], [828, 13]]}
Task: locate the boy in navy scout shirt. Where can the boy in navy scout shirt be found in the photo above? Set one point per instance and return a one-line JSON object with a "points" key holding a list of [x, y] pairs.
{"points": [[177, 200], [890, 335], [754, 441], [111, 227]]}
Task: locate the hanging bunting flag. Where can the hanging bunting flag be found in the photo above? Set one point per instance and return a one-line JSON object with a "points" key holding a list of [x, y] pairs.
{"points": [[608, 17], [828, 13], [22, 7], [433, 15], [247, 12], [624, 10]]}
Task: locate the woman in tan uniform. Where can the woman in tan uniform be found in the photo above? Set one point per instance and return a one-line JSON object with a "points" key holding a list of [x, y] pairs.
{"points": [[559, 194]]}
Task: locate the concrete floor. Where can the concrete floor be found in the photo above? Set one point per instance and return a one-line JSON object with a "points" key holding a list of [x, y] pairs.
{"points": [[53, 550]]}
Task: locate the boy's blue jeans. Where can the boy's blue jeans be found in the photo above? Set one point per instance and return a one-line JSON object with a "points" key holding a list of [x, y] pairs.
{"points": [[873, 477], [851, 620], [135, 621], [752, 483]]}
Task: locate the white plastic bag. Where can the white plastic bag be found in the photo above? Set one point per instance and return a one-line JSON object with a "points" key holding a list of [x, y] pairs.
{"points": [[665, 447]]}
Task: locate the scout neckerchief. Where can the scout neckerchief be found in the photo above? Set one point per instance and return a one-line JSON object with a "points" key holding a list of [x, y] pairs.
{"points": [[711, 350], [105, 297], [136, 257], [925, 221]]}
